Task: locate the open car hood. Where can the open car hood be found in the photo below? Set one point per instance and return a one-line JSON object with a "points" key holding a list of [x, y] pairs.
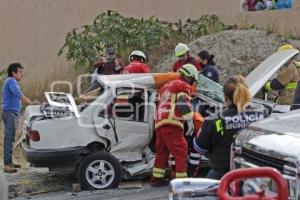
{"points": [[265, 70]]}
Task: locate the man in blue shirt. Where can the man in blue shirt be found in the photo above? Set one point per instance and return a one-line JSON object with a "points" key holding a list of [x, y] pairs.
{"points": [[11, 106]]}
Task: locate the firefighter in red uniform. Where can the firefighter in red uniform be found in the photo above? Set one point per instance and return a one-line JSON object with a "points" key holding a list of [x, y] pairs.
{"points": [[182, 51], [173, 110], [194, 157], [137, 64]]}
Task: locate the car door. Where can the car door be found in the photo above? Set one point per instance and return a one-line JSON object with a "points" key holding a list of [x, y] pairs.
{"points": [[125, 121]]}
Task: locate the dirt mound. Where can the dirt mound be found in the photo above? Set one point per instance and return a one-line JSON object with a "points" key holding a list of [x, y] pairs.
{"points": [[236, 51]]}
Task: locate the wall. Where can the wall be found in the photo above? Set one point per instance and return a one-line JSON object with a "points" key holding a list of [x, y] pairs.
{"points": [[32, 31]]}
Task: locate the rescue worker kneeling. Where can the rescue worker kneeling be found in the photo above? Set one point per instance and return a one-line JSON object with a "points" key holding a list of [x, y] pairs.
{"points": [[173, 109], [217, 132]]}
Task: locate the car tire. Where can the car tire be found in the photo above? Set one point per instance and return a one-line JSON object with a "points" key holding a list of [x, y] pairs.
{"points": [[99, 170]]}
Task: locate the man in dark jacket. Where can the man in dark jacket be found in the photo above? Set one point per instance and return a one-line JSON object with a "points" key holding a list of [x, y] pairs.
{"points": [[107, 65]]}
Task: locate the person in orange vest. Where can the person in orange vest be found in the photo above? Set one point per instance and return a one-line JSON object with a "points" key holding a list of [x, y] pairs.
{"points": [[182, 51], [137, 63], [174, 108]]}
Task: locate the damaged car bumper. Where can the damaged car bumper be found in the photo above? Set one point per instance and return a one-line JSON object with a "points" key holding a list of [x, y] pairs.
{"points": [[62, 158]]}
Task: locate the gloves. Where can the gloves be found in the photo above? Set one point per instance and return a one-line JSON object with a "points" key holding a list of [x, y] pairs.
{"points": [[266, 88], [190, 127], [297, 64]]}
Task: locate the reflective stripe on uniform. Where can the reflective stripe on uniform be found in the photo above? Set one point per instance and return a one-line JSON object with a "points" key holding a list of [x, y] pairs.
{"points": [[181, 175], [157, 175], [172, 109], [183, 94], [195, 155], [170, 119], [198, 148], [219, 127], [188, 115], [158, 172], [194, 158], [291, 86], [194, 162]]}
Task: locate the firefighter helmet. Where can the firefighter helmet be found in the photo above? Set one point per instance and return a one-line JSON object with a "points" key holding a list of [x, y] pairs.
{"points": [[181, 49], [189, 70], [285, 47], [138, 54]]}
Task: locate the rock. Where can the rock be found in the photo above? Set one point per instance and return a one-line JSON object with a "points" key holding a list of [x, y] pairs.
{"points": [[27, 190], [76, 187], [236, 51]]}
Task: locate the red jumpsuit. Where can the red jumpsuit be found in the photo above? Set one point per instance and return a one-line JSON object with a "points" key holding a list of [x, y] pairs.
{"points": [[136, 67], [189, 60], [169, 128], [193, 156]]}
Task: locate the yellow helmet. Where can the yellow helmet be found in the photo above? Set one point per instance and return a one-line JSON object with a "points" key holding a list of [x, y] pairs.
{"points": [[181, 49], [285, 47], [189, 70]]}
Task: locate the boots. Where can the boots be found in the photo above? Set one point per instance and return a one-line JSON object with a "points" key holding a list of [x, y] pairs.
{"points": [[158, 182], [193, 171], [9, 169], [17, 165]]}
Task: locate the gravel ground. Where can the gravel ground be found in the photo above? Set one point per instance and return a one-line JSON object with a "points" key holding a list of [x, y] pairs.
{"points": [[39, 183], [145, 193]]}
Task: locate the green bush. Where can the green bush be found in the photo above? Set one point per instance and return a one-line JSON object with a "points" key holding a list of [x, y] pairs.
{"points": [[83, 45]]}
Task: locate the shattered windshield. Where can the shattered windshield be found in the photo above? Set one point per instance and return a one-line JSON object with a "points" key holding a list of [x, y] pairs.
{"points": [[210, 89]]}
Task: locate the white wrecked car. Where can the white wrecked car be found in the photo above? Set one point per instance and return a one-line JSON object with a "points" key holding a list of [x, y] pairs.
{"points": [[106, 140]]}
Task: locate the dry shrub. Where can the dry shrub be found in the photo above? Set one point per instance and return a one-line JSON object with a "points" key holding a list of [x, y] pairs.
{"points": [[36, 83]]}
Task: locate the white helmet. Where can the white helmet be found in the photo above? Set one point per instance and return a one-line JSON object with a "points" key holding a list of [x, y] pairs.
{"points": [[189, 70], [181, 49], [137, 53]]}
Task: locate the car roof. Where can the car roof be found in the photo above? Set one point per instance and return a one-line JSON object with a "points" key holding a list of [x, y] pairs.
{"points": [[148, 80]]}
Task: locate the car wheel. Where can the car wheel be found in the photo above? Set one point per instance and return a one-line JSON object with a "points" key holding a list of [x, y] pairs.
{"points": [[100, 170]]}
